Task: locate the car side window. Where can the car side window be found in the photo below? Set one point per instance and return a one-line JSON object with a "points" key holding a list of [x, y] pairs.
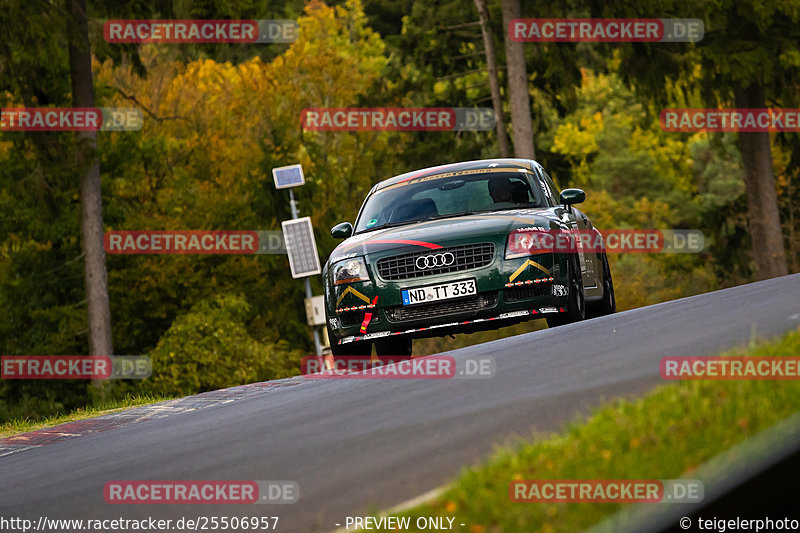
{"points": [[549, 187], [552, 184]]}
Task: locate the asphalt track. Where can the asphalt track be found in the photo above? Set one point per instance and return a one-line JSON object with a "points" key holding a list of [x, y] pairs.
{"points": [[356, 445]]}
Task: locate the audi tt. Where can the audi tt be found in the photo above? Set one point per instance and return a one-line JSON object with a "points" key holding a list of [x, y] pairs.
{"points": [[447, 250]]}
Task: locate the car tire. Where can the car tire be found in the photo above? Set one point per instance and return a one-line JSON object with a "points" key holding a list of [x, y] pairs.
{"points": [[397, 345], [576, 304], [351, 348], [608, 305]]}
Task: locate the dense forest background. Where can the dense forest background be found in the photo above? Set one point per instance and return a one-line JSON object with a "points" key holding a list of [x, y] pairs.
{"points": [[218, 118]]}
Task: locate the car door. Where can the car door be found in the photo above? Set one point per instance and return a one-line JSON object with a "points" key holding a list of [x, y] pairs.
{"points": [[575, 220]]}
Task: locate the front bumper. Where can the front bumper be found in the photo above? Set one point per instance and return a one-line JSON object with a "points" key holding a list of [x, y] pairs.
{"points": [[508, 291]]}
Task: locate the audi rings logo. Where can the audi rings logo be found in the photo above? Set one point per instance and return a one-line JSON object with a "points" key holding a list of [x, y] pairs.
{"points": [[435, 260]]}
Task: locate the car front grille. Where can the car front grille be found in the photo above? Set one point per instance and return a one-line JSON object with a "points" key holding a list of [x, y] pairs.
{"points": [[479, 302], [465, 258], [531, 291]]}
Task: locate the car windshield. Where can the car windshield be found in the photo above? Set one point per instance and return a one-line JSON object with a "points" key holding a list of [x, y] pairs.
{"points": [[446, 195]]}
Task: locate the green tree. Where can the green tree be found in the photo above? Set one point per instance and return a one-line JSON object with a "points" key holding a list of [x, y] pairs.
{"points": [[749, 57], [209, 348]]}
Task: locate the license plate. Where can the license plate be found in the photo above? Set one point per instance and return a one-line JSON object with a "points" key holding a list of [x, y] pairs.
{"points": [[433, 293]]}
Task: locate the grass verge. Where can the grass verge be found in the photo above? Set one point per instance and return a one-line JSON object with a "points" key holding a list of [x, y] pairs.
{"points": [[18, 426], [664, 435]]}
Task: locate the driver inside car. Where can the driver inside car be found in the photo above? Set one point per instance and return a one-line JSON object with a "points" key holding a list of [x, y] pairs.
{"points": [[501, 190]]}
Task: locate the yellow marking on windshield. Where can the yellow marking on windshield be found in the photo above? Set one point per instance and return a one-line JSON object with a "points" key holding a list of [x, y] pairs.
{"points": [[379, 231], [450, 174]]}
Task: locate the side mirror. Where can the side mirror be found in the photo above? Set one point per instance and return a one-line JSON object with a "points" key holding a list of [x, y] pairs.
{"points": [[343, 230], [572, 196]]}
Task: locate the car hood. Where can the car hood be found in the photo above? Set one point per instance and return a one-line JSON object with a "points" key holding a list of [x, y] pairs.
{"points": [[433, 234]]}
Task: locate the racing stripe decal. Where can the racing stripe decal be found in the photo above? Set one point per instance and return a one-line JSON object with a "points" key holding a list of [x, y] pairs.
{"points": [[529, 282], [352, 291], [364, 244], [524, 266], [405, 241], [450, 174], [503, 316], [426, 171]]}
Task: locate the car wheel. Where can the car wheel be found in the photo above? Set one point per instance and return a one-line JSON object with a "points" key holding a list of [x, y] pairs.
{"points": [[608, 305], [397, 345], [576, 304], [351, 348]]}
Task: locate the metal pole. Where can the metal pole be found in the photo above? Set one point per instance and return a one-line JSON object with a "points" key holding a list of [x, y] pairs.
{"points": [[317, 345], [292, 204]]}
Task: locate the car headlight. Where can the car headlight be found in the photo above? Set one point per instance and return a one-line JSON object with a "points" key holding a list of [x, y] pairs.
{"points": [[527, 243], [350, 271]]}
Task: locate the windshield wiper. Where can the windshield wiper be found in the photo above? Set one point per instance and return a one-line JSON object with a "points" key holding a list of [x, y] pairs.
{"points": [[518, 207], [406, 222], [451, 215], [387, 225]]}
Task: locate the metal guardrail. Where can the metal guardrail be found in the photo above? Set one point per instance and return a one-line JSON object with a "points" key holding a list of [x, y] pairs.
{"points": [[757, 479]]}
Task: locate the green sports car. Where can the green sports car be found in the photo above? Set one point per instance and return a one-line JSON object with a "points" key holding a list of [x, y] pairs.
{"points": [[443, 250]]}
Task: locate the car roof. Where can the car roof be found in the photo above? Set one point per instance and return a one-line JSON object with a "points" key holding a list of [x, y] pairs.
{"points": [[464, 165]]}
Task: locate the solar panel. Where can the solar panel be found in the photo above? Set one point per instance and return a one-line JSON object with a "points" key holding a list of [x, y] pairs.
{"points": [[291, 176], [301, 247]]}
